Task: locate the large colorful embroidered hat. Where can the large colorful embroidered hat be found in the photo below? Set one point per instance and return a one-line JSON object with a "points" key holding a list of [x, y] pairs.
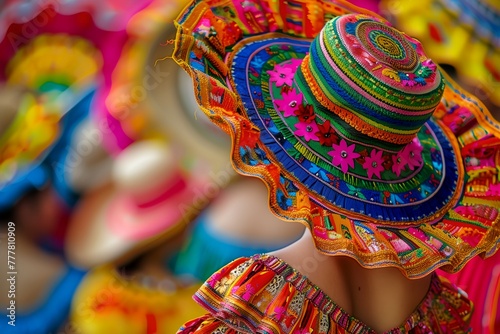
{"points": [[464, 34], [333, 110]]}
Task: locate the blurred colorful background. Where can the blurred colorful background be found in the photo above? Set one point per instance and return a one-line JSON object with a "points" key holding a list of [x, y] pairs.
{"points": [[117, 195]]}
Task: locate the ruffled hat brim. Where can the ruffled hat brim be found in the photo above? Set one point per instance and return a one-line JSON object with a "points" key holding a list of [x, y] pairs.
{"points": [[468, 226]]}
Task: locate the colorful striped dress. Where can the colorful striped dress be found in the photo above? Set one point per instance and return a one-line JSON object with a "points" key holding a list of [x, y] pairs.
{"points": [[263, 294]]}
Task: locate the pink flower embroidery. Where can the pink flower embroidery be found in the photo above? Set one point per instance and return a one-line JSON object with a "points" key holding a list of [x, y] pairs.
{"points": [[418, 233], [204, 27], [289, 103], [214, 279], [343, 155], [430, 64], [307, 130], [279, 313], [412, 154], [398, 163], [295, 63], [249, 292], [374, 163], [494, 190], [408, 79], [281, 74]]}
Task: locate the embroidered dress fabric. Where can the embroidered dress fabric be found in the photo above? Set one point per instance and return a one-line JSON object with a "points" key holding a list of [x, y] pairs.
{"points": [[263, 294], [481, 280]]}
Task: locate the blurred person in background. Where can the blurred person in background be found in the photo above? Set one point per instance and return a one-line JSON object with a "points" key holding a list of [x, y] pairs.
{"points": [[122, 232], [60, 56], [32, 210]]}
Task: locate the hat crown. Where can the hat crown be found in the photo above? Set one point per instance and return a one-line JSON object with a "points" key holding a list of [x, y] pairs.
{"points": [[370, 80]]}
